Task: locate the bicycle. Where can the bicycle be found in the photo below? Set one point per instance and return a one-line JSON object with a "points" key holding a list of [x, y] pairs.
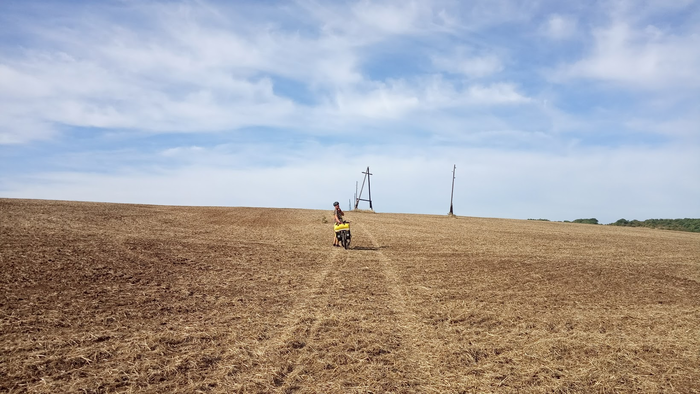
{"points": [[342, 233]]}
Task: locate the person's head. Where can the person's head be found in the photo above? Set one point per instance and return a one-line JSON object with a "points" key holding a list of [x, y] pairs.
{"points": [[336, 205]]}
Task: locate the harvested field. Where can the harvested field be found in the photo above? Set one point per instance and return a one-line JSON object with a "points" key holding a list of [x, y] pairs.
{"points": [[99, 298]]}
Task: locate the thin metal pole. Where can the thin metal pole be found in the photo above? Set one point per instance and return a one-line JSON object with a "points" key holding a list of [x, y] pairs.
{"points": [[453, 188], [369, 190], [357, 201]]}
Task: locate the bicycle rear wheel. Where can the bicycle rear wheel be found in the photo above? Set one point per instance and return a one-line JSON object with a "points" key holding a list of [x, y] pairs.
{"points": [[344, 239]]}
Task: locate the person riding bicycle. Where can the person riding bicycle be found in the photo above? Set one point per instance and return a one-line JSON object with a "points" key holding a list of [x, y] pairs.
{"points": [[338, 219]]}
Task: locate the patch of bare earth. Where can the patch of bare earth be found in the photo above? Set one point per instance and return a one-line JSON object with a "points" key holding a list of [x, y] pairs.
{"points": [[98, 298]]}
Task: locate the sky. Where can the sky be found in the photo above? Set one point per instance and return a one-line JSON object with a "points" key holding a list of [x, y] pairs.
{"points": [[548, 109]]}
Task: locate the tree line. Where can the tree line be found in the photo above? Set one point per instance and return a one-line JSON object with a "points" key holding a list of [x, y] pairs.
{"points": [[664, 224], [686, 224]]}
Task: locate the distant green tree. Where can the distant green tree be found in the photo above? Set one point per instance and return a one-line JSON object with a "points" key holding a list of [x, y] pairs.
{"points": [[686, 224], [587, 221]]}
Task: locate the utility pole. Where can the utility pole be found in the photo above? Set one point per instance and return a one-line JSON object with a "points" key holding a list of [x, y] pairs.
{"points": [[355, 198], [369, 191], [453, 188]]}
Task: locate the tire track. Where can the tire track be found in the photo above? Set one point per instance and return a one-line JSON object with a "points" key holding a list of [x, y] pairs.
{"points": [[273, 364], [413, 334]]}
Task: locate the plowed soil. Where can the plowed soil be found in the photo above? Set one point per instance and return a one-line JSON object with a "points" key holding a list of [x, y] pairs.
{"points": [[98, 298]]}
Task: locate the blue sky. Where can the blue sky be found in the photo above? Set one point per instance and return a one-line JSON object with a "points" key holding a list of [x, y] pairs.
{"points": [[549, 109]]}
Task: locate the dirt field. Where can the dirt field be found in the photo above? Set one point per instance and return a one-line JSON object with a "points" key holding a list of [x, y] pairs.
{"points": [[98, 298]]}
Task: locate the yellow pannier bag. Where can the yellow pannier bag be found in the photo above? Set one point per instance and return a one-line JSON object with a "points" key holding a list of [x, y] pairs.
{"points": [[344, 226]]}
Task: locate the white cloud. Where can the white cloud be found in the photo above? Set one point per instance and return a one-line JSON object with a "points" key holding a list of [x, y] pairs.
{"points": [[90, 93], [481, 14], [180, 74], [180, 151], [19, 130], [383, 101], [638, 11], [559, 27], [398, 97], [683, 128], [498, 93], [365, 22], [647, 58], [15, 84], [391, 18], [191, 70], [399, 107], [474, 66]]}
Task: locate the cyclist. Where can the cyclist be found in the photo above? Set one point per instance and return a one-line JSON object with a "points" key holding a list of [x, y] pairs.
{"points": [[337, 219]]}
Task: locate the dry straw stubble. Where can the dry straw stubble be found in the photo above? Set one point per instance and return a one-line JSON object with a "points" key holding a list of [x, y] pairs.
{"points": [[126, 298]]}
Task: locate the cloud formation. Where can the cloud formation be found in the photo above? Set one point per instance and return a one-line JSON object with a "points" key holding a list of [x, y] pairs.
{"points": [[133, 101], [559, 27], [648, 58]]}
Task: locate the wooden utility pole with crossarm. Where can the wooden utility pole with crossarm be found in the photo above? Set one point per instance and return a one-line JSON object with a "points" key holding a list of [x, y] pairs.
{"points": [[359, 198]]}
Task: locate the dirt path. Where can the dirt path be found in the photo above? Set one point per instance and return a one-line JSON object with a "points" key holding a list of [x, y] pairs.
{"points": [[419, 350], [278, 360], [352, 320]]}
